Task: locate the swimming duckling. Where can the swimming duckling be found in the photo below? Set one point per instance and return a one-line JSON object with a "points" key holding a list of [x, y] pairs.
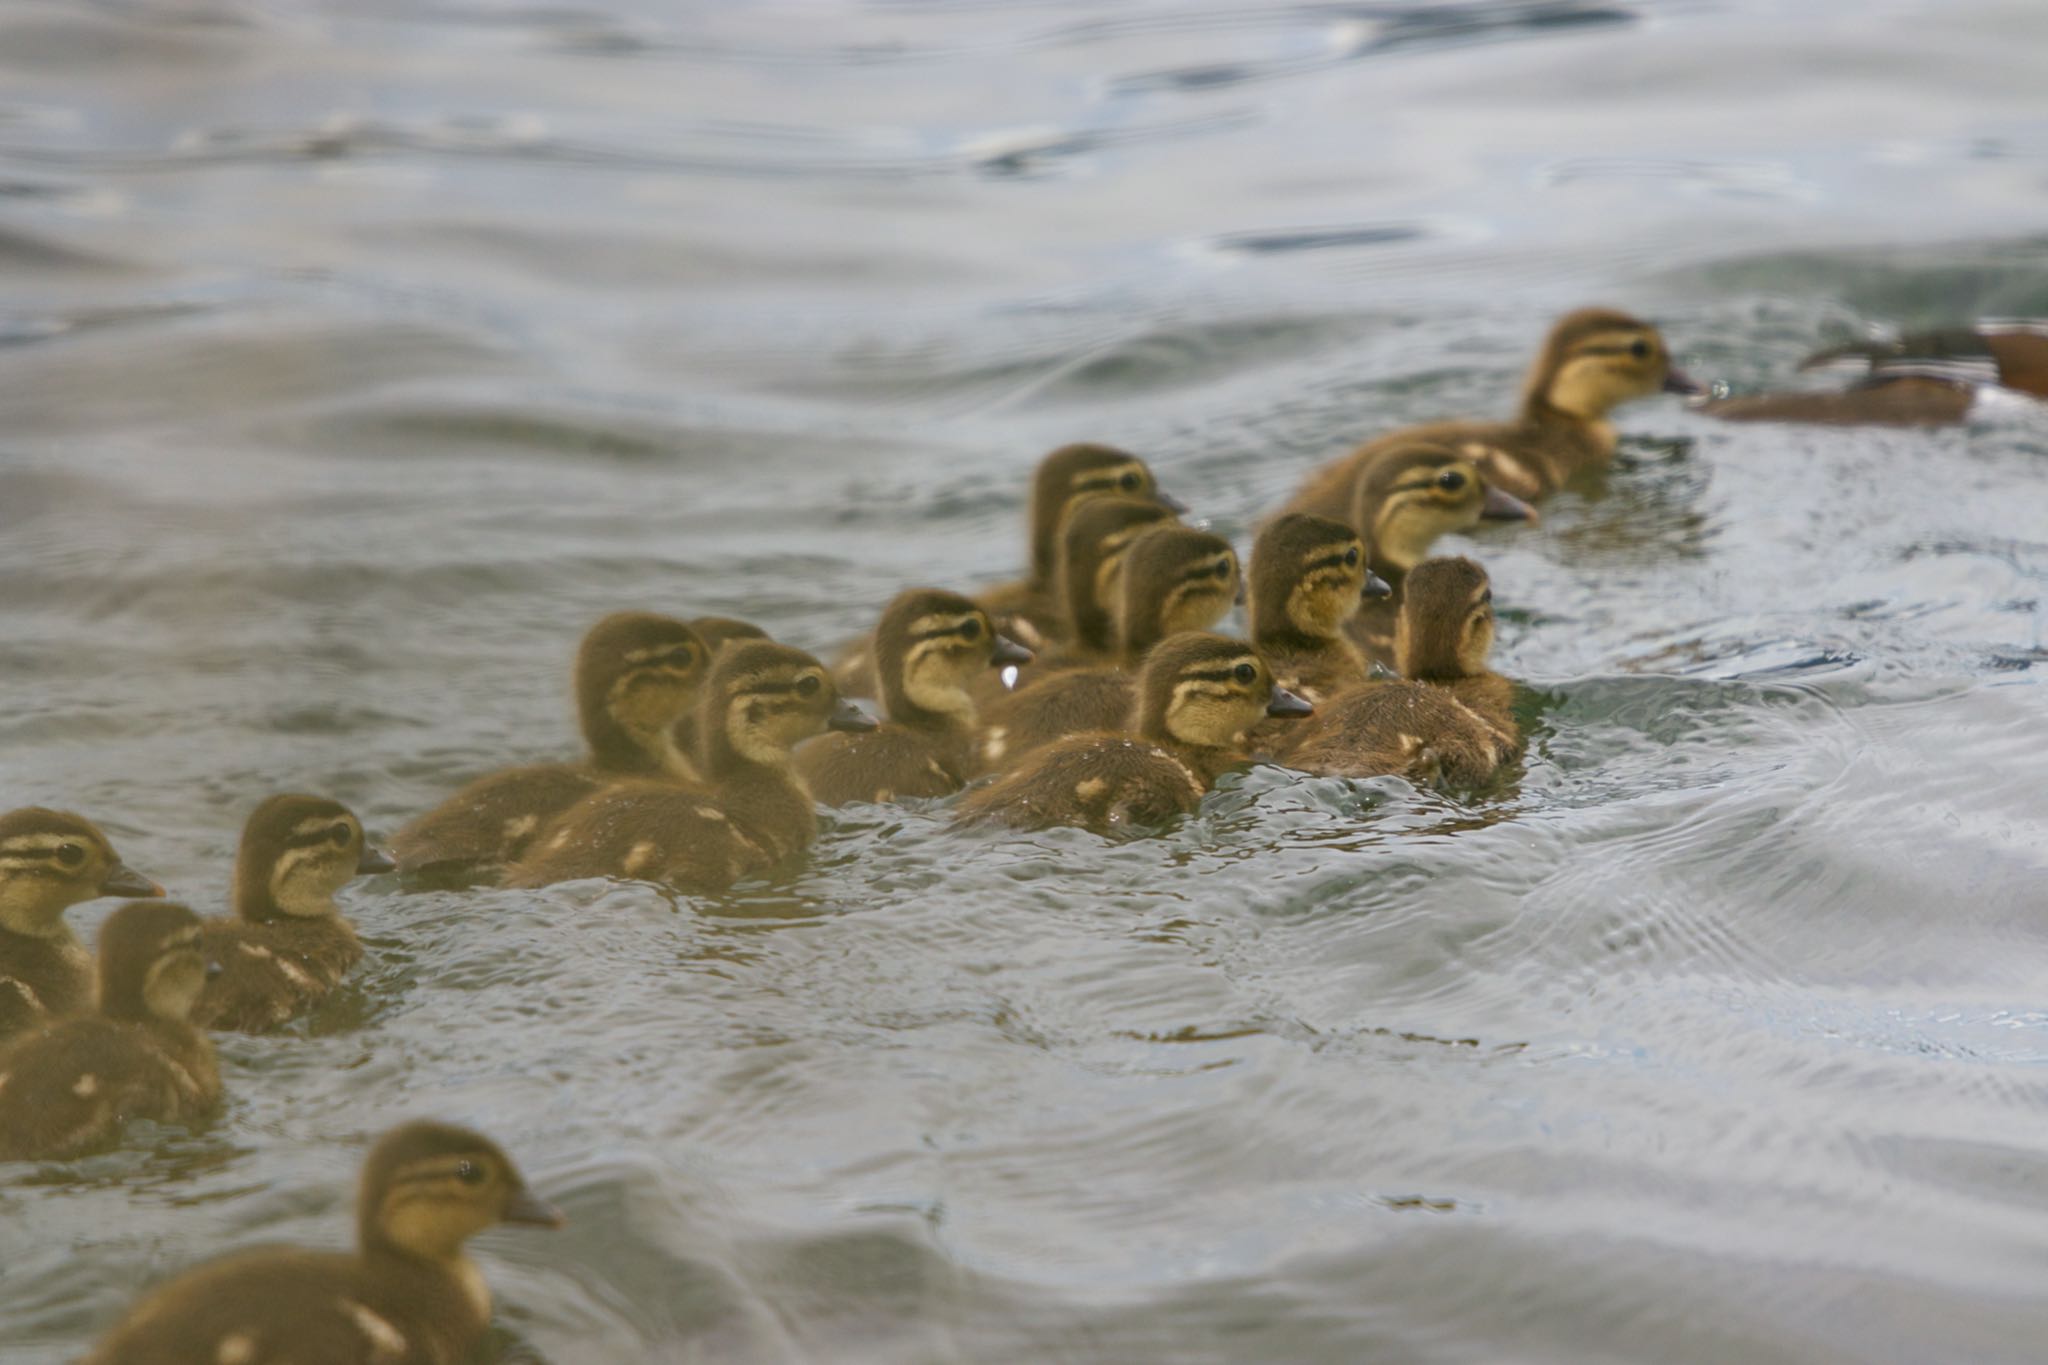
{"points": [[1173, 579], [1199, 696], [51, 860], [68, 1089], [929, 647], [408, 1295], [1402, 501], [1093, 543], [716, 632], [1449, 719], [762, 701], [1594, 360], [1926, 379], [636, 675], [1309, 578], [287, 946]]}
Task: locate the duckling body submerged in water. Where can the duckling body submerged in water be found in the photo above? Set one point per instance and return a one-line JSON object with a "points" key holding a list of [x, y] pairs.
{"points": [[930, 648], [408, 1295], [1199, 696], [68, 1089], [50, 861], [636, 675], [1593, 361], [762, 701], [1449, 720], [287, 946]]}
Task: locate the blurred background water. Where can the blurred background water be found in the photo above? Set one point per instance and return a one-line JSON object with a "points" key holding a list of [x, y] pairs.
{"points": [[354, 357]]}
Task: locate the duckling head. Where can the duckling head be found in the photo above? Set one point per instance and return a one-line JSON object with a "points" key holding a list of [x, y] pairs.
{"points": [[1092, 546], [1408, 496], [1206, 691], [636, 675], [763, 700], [930, 646], [1309, 576], [1175, 579], [1070, 476], [297, 851], [51, 860], [1445, 629], [151, 962], [719, 631], [428, 1187], [1596, 359]]}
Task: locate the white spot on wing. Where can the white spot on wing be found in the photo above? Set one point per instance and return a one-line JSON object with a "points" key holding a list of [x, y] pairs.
{"points": [[86, 1086], [236, 1348], [386, 1341]]}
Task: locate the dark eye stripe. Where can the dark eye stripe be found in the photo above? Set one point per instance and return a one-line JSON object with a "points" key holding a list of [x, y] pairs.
{"points": [[1225, 674], [1606, 350], [1428, 481], [1329, 561]]}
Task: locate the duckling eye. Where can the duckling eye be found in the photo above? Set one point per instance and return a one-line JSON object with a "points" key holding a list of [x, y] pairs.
{"points": [[1244, 673], [469, 1173], [1130, 481], [71, 855], [1639, 348], [970, 630], [808, 685], [338, 835], [1451, 480], [1351, 558]]}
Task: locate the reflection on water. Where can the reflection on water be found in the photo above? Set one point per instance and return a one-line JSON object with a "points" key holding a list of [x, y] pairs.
{"points": [[353, 359]]}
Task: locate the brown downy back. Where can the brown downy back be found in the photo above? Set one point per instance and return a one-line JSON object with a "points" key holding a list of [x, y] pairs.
{"points": [[1445, 630]]}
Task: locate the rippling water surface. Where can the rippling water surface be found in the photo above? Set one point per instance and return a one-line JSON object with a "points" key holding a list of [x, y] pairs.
{"points": [[354, 357]]}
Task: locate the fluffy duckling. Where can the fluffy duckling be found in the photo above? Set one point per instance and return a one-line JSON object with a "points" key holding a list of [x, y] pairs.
{"points": [[409, 1295], [51, 860], [1029, 610], [287, 945], [1093, 543], [1594, 360], [929, 648], [1199, 696], [1309, 578], [1174, 579], [1449, 720], [637, 674], [1926, 379], [716, 632], [763, 700], [68, 1090]]}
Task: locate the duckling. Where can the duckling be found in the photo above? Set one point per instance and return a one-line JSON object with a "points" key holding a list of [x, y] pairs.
{"points": [[716, 632], [1029, 609], [1199, 696], [1093, 543], [51, 860], [1309, 578], [929, 647], [68, 1089], [762, 701], [287, 945], [1173, 579], [1927, 379], [408, 1295], [1402, 500], [636, 675], [1449, 720], [1594, 360]]}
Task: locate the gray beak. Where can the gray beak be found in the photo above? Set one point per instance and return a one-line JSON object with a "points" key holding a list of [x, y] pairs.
{"points": [[1285, 703], [1376, 587], [126, 881], [1678, 381], [1169, 502], [1503, 506], [527, 1208], [374, 859], [1008, 651], [847, 716]]}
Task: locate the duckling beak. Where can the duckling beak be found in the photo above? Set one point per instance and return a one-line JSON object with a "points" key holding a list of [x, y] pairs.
{"points": [[374, 859], [1285, 703], [1169, 502], [1239, 599], [847, 716], [1375, 587], [126, 881], [1008, 651], [1678, 381], [1501, 505], [525, 1207]]}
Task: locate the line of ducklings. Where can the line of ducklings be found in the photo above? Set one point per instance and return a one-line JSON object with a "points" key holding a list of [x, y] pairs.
{"points": [[1090, 692]]}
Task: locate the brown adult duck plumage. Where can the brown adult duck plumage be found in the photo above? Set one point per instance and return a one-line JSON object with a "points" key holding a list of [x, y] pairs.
{"points": [[287, 945], [1199, 695], [762, 701], [1593, 361], [930, 647], [637, 674], [1924, 379], [68, 1089], [1173, 579], [1448, 721], [51, 860], [408, 1294]]}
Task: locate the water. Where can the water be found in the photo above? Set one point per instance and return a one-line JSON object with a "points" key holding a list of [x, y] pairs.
{"points": [[356, 357]]}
